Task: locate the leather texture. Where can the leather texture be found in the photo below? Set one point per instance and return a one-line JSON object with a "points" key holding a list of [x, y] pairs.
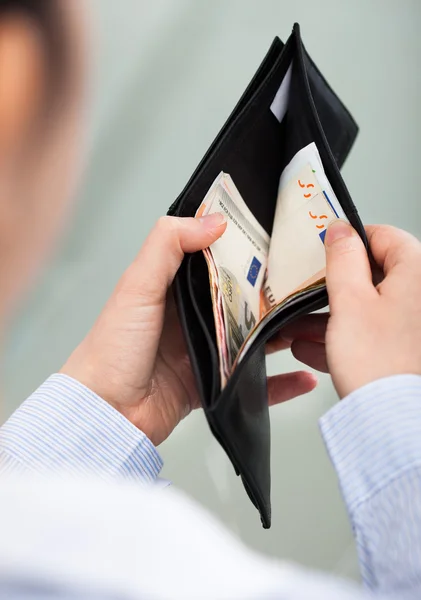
{"points": [[254, 148]]}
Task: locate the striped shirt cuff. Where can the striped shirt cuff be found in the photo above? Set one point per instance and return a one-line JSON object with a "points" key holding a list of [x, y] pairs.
{"points": [[373, 436], [65, 427]]}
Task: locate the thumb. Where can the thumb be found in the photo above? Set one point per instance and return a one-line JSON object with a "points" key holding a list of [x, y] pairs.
{"points": [[161, 255], [348, 274]]}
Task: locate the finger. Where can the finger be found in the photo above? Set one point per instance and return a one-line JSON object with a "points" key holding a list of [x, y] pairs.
{"points": [[309, 327], [391, 246], [277, 343], [285, 387], [160, 256], [348, 274], [313, 354]]}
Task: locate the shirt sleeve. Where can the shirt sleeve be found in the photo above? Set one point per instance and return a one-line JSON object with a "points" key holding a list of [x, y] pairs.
{"points": [[374, 441], [65, 427]]}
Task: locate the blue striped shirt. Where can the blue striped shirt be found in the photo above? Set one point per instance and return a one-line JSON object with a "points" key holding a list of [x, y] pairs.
{"points": [[65, 427], [373, 438]]}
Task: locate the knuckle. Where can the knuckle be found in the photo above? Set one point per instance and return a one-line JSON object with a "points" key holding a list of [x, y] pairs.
{"points": [[392, 239], [389, 238], [377, 235], [166, 224], [381, 232]]}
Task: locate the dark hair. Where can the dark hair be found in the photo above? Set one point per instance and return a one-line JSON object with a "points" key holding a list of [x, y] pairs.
{"points": [[45, 14]]}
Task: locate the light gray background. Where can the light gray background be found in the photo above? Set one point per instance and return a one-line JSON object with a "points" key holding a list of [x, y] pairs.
{"points": [[166, 76]]}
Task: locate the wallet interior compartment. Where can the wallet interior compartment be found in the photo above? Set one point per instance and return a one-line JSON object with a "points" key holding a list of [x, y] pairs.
{"points": [[200, 325]]}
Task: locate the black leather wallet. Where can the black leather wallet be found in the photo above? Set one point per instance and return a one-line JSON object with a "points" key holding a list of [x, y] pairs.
{"points": [[254, 148]]}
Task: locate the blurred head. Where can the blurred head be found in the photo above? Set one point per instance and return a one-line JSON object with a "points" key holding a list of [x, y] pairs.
{"points": [[41, 80]]}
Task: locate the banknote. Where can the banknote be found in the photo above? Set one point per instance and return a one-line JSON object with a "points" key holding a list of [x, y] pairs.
{"points": [[237, 267], [217, 304], [306, 204]]}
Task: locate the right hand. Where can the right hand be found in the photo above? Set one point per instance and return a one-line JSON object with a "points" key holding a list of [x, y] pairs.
{"points": [[373, 331]]}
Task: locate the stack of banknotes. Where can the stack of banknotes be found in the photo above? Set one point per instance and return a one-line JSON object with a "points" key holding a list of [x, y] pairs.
{"points": [[252, 275]]}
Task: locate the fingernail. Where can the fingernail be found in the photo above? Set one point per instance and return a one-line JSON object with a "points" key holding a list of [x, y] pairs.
{"points": [[338, 230], [214, 220]]}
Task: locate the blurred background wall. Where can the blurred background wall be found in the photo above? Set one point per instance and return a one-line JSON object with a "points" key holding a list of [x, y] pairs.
{"points": [[166, 74]]}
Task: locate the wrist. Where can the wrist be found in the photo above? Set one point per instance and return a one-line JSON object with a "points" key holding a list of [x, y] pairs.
{"points": [[355, 376], [139, 411], [373, 434]]}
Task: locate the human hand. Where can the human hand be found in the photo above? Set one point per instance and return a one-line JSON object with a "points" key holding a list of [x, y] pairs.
{"points": [[373, 331], [135, 356]]}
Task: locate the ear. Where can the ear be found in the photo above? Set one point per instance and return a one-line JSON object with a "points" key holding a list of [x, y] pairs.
{"points": [[22, 80]]}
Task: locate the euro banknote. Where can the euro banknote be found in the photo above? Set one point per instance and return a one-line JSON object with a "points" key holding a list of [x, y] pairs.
{"points": [[305, 206], [237, 265]]}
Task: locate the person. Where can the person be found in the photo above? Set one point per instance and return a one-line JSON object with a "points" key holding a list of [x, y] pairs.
{"points": [[82, 512]]}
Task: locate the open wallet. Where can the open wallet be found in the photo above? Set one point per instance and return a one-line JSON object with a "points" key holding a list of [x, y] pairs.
{"points": [[287, 107]]}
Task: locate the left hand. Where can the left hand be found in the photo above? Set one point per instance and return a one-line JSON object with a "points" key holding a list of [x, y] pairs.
{"points": [[135, 356]]}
